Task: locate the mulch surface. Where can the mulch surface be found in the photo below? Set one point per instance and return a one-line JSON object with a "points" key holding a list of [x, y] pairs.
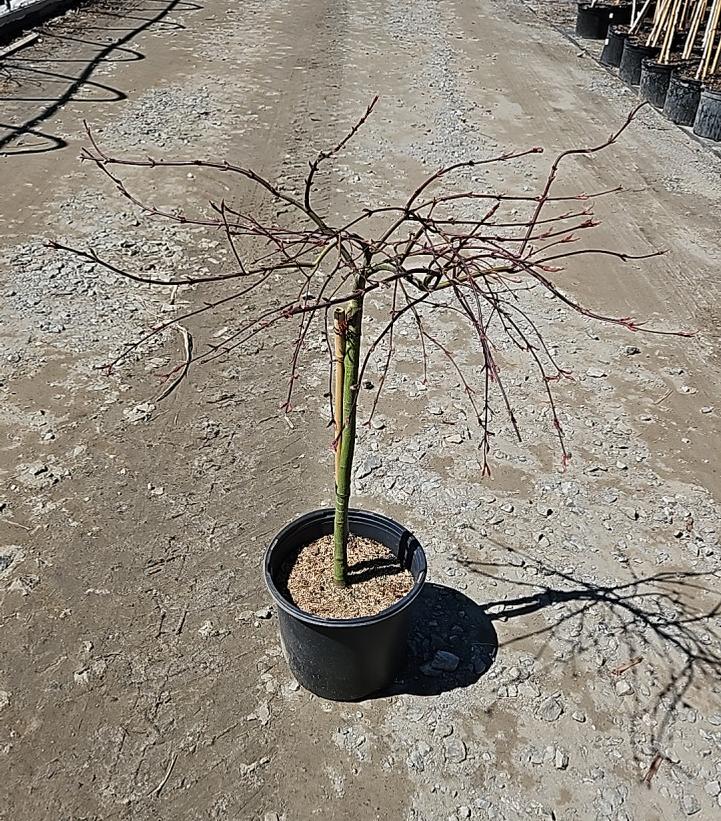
{"points": [[375, 579]]}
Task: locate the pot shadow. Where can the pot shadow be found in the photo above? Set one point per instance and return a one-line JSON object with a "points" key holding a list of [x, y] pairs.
{"points": [[445, 619]]}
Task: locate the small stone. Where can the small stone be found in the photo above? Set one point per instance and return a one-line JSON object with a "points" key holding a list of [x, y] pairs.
{"points": [[140, 413], [623, 688], [631, 350], [561, 760], [368, 465], [443, 729], [455, 750], [712, 788], [578, 716], [550, 709], [264, 613], [430, 671], [707, 409], [463, 812], [271, 816], [4, 699], [445, 661], [689, 804], [596, 373]]}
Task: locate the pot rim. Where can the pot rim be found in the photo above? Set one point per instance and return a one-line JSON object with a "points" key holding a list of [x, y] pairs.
{"points": [[322, 621], [715, 93]]}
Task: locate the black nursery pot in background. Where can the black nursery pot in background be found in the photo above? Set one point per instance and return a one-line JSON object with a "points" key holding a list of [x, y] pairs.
{"points": [[633, 54], [708, 116], [591, 21], [682, 100], [655, 78], [345, 659], [613, 47]]}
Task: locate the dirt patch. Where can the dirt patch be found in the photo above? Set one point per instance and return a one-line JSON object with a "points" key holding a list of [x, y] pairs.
{"points": [[376, 580]]}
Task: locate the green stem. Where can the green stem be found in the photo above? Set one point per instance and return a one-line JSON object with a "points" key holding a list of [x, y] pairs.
{"points": [[354, 319]]}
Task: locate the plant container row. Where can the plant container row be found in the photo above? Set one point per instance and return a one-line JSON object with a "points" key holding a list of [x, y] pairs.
{"points": [[683, 100]]}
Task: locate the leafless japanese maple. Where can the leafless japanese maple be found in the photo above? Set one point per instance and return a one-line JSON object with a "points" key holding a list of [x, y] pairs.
{"points": [[467, 251]]}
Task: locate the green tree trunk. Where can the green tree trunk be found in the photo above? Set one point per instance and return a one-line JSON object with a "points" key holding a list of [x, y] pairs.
{"points": [[354, 319]]}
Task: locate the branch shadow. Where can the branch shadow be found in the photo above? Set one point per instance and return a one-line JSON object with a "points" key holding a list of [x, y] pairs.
{"points": [[445, 619], [656, 625], [101, 52]]}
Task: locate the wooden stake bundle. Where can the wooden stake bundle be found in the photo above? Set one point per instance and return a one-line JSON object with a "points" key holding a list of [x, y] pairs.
{"points": [[694, 27], [709, 40], [662, 12], [636, 21], [670, 30]]}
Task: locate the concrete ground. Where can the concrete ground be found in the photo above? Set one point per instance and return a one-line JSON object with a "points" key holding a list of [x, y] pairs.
{"points": [[141, 675]]}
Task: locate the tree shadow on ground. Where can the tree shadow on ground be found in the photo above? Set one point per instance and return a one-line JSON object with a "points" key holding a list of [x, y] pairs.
{"points": [[60, 88], [656, 633], [445, 619]]}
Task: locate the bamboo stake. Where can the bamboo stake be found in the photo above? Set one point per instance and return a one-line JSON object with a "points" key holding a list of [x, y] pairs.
{"points": [[661, 15], [339, 329], [670, 31], [709, 40], [636, 21], [716, 59], [694, 28]]}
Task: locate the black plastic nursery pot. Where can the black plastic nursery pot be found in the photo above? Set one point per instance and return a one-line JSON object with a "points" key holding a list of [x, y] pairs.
{"points": [[633, 54], [653, 85], [613, 47], [682, 99], [708, 116], [345, 659], [591, 21]]}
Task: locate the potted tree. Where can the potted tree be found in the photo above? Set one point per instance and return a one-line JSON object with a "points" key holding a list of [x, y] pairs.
{"points": [[344, 580]]}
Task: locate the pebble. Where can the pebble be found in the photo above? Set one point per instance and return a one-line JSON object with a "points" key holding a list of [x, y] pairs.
{"points": [[689, 804], [550, 709], [264, 613], [596, 373], [623, 688], [455, 750], [445, 661], [561, 760]]}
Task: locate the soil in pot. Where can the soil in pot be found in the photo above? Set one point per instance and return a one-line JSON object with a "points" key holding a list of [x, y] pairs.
{"points": [[375, 579], [634, 52], [708, 116], [613, 47], [682, 98]]}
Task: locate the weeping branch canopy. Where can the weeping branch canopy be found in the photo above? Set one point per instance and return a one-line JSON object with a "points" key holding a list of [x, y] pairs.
{"points": [[468, 251]]}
